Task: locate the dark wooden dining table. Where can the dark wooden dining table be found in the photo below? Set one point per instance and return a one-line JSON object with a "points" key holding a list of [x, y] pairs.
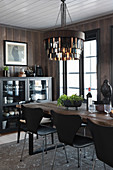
{"points": [[98, 117]]}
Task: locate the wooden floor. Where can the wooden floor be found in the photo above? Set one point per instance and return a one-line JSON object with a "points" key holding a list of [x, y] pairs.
{"points": [[7, 138]]}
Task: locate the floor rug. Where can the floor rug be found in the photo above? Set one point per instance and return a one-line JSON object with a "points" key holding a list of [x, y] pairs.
{"points": [[10, 158]]}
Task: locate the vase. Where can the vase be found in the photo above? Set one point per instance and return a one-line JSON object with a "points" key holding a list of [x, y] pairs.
{"points": [[6, 73]]}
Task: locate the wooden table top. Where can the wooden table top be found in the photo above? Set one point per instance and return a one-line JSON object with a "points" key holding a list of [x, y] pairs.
{"points": [[98, 117]]}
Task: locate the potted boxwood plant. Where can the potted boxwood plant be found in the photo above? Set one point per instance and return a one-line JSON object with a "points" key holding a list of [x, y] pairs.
{"points": [[6, 71], [70, 101]]}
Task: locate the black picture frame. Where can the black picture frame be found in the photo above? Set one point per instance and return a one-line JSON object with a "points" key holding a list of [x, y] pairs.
{"points": [[15, 53]]}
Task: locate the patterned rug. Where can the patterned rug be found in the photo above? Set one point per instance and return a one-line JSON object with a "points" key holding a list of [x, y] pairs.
{"points": [[10, 158]]}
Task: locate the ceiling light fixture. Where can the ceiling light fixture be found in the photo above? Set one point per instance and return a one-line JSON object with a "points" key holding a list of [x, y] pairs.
{"points": [[64, 44]]}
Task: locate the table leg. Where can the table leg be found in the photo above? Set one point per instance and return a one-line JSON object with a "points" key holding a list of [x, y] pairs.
{"points": [[30, 144]]}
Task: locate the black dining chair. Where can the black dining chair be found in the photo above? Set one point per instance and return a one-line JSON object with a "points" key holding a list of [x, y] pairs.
{"points": [[21, 123], [67, 127], [103, 141], [33, 117]]}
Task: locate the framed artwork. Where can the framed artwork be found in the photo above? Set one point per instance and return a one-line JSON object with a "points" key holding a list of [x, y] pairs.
{"points": [[15, 53]]}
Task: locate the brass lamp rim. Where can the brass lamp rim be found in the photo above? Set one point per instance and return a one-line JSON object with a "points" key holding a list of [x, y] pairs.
{"points": [[64, 33]]}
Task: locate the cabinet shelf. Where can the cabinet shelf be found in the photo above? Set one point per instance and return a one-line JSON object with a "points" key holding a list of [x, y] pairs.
{"points": [[10, 104], [7, 130], [10, 117]]}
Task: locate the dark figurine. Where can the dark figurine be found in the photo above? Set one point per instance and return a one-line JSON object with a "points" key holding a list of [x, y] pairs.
{"points": [[106, 90]]}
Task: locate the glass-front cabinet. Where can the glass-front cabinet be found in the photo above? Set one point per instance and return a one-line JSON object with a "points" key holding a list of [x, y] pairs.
{"points": [[12, 91], [15, 90], [40, 89]]}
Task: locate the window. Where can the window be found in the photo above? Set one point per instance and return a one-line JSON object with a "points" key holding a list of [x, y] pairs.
{"points": [[76, 76], [72, 77], [61, 77], [90, 68]]}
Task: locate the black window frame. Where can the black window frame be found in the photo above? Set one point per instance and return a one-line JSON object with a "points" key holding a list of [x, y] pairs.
{"points": [[89, 35]]}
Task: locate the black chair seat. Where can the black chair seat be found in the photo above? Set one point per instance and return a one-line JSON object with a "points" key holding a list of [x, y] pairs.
{"points": [[45, 130], [82, 141], [67, 127], [33, 117]]}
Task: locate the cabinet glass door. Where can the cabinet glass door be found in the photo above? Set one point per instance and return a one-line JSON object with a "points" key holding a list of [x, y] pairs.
{"points": [[38, 90], [13, 91]]}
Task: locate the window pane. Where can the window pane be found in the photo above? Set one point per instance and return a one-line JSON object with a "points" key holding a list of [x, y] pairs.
{"points": [[72, 66], [86, 65], [90, 64], [72, 77], [73, 80], [94, 64], [86, 48], [90, 68], [72, 91], [93, 50], [61, 76]]}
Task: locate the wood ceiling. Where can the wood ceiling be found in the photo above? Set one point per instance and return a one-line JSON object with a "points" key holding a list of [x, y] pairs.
{"points": [[42, 14]]}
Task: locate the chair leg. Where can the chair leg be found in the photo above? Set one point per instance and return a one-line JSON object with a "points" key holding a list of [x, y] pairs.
{"points": [[52, 138], [65, 154], [84, 148], [23, 147], [78, 157], [54, 157], [93, 154], [80, 153], [18, 136], [104, 166], [94, 163], [45, 144], [43, 155]]}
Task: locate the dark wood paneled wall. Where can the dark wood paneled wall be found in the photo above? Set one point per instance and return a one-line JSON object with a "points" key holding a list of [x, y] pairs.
{"points": [[36, 53], [102, 23], [32, 38]]}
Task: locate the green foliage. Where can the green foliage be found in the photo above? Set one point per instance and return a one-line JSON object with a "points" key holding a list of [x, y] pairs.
{"points": [[74, 97], [6, 68], [61, 99]]}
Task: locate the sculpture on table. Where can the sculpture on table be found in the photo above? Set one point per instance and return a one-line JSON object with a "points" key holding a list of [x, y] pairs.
{"points": [[106, 90]]}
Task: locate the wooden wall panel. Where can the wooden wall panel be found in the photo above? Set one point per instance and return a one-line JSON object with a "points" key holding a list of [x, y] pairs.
{"points": [[37, 55], [23, 36], [19, 35], [16, 35], [104, 24], [9, 33]]}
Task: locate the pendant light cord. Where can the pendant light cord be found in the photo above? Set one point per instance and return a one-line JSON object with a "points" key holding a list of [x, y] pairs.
{"points": [[69, 14], [60, 12]]}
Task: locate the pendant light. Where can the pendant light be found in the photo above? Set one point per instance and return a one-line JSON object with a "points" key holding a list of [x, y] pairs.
{"points": [[64, 44]]}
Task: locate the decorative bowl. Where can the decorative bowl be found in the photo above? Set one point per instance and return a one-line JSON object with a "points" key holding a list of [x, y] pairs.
{"points": [[67, 103]]}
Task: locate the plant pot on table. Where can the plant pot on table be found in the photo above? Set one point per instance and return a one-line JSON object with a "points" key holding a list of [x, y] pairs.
{"points": [[68, 103]]}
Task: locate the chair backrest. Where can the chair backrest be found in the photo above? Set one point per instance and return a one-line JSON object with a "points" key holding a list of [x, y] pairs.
{"points": [[33, 117], [103, 140], [67, 126], [21, 114]]}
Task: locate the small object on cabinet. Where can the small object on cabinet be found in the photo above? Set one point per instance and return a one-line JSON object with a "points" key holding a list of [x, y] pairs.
{"points": [[12, 113], [6, 72], [22, 73], [38, 71], [4, 124], [6, 114]]}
